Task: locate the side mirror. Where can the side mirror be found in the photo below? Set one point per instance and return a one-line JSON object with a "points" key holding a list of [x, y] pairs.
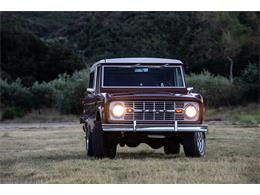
{"points": [[90, 90], [190, 89]]}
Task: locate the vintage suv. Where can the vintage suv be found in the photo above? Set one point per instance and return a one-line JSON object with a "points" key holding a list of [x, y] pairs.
{"points": [[142, 100]]}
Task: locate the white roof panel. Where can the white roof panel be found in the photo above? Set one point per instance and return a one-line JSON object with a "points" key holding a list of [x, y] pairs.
{"points": [[141, 60], [138, 61]]}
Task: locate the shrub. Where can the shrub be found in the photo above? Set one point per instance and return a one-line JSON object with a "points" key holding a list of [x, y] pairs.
{"points": [[216, 90], [64, 93], [42, 95], [250, 74], [69, 90], [15, 94], [12, 112], [249, 80]]}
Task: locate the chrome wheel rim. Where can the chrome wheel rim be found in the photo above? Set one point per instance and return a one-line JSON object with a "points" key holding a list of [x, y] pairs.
{"points": [[87, 141], [201, 143]]}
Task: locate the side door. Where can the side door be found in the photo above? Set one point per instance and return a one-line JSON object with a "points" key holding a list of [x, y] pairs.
{"points": [[93, 98]]}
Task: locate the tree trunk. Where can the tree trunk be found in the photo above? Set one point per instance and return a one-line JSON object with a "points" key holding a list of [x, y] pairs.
{"points": [[230, 69]]}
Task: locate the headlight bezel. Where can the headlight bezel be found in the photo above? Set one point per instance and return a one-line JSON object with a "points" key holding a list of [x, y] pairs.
{"points": [[195, 105]]}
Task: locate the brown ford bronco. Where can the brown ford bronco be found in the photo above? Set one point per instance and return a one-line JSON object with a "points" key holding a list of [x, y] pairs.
{"points": [[142, 100]]}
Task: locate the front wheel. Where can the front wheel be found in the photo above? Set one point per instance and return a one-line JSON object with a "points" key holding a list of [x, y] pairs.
{"points": [[102, 146], [194, 144], [98, 141]]}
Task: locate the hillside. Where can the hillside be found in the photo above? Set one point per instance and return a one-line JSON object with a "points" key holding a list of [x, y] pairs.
{"points": [[203, 40], [28, 52]]}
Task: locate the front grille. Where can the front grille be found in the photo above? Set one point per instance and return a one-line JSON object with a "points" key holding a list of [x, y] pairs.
{"points": [[154, 111]]}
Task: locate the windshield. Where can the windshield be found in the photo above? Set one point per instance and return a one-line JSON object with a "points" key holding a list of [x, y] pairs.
{"points": [[142, 77]]}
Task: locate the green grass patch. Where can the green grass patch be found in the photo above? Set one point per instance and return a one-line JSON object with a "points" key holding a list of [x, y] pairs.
{"points": [[248, 114], [245, 118]]}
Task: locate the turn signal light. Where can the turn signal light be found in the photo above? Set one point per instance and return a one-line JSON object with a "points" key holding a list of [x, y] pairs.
{"points": [[129, 110], [178, 110]]}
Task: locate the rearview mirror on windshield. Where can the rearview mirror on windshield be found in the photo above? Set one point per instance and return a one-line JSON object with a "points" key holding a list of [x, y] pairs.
{"points": [[141, 69]]}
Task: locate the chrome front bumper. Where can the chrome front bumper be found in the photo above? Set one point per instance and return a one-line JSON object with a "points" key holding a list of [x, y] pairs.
{"points": [[156, 127]]}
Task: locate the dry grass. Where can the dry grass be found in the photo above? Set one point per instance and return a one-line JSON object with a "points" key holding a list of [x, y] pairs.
{"points": [[45, 115], [56, 155]]}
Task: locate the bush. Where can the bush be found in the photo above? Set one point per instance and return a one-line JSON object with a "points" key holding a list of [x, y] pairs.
{"points": [[15, 94], [42, 95], [69, 90], [249, 80], [250, 74], [216, 90], [12, 112], [64, 93]]}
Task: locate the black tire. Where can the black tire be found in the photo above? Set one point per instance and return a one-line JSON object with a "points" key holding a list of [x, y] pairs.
{"points": [[172, 147], [98, 141], [89, 146], [102, 147], [194, 144], [111, 150]]}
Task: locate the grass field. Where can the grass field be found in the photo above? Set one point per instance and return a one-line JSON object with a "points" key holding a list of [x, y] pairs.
{"points": [[249, 114], [54, 153]]}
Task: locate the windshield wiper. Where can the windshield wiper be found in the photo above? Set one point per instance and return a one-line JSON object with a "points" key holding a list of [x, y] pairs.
{"points": [[155, 66], [164, 65], [136, 65]]}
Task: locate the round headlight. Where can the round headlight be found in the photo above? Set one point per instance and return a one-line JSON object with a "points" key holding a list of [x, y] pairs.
{"points": [[190, 111], [118, 110]]}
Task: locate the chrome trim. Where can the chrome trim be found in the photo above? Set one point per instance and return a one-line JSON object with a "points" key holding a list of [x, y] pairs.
{"points": [[149, 87], [134, 125], [95, 79], [156, 127], [165, 109], [153, 110], [156, 136]]}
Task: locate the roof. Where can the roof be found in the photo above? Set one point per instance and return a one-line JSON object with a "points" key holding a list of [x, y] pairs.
{"points": [[137, 61]]}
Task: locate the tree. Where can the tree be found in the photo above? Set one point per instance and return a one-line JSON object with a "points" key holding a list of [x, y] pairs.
{"points": [[232, 48], [233, 37], [26, 56]]}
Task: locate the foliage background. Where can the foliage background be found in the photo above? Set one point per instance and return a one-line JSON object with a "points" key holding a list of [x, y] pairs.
{"points": [[45, 55]]}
